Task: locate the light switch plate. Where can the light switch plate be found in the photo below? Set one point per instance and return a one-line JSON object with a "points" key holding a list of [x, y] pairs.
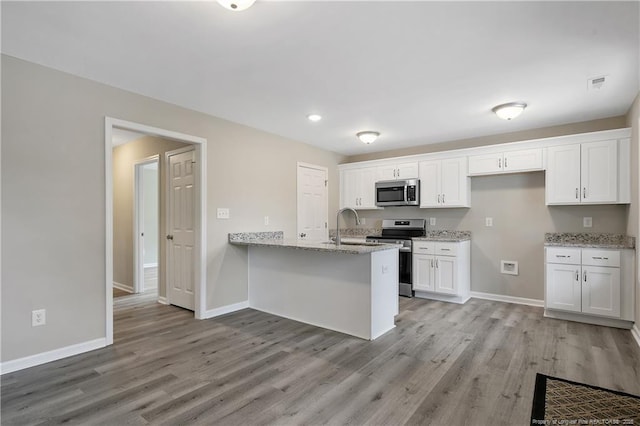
{"points": [[223, 213], [432, 221], [587, 222], [488, 221]]}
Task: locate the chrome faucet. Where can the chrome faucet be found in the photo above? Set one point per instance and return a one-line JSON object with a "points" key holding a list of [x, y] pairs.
{"points": [[338, 222]]}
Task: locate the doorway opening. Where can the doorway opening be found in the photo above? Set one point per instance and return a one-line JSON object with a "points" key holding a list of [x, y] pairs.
{"points": [[147, 225], [170, 141]]}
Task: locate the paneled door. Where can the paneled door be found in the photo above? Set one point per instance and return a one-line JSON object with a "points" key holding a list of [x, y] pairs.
{"points": [[312, 203], [181, 237]]}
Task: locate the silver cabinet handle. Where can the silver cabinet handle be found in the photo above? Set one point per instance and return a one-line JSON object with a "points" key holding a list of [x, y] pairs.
{"points": [[505, 163], [445, 249], [584, 192], [561, 255], [585, 276], [577, 193], [577, 276], [432, 263], [499, 163], [442, 198], [438, 198]]}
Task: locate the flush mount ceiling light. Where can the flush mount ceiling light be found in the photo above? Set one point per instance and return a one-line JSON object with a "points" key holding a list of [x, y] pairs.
{"points": [[368, 136], [314, 117], [510, 110], [236, 5]]}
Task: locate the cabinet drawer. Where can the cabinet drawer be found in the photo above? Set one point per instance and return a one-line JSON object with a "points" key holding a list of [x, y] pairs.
{"points": [[447, 249], [563, 255], [597, 257], [424, 247]]}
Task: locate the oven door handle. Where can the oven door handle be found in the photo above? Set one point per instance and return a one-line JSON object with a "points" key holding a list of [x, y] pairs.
{"points": [[405, 249]]}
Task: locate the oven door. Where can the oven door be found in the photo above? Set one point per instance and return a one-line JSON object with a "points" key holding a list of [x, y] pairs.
{"points": [[404, 272]]}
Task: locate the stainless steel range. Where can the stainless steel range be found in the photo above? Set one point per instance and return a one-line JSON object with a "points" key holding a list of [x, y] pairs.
{"points": [[400, 231]]}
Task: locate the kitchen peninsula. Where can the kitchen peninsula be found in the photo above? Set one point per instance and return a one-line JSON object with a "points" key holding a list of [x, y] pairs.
{"points": [[350, 288]]}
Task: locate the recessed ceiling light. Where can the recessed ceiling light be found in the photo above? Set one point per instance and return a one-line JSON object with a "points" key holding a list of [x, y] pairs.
{"points": [[368, 136], [314, 117], [236, 5], [510, 110]]}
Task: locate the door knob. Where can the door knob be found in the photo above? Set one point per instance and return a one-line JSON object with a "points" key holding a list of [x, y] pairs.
{"points": [[169, 237], [302, 235]]}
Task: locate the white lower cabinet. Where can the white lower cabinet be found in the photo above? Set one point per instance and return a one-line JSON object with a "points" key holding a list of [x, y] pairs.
{"points": [[590, 283], [441, 270]]}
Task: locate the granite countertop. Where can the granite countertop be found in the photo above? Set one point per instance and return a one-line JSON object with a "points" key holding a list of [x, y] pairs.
{"points": [[276, 239], [595, 240], [445, 236]]}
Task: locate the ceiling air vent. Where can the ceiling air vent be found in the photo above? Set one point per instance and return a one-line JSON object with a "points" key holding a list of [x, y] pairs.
{"points": [[596, 83]]}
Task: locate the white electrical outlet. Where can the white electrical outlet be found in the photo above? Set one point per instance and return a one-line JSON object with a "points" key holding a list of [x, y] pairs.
{"points": [[223, 213], [488, 221], [266, 220], [432, 221], [587, 222], [38, 317]]}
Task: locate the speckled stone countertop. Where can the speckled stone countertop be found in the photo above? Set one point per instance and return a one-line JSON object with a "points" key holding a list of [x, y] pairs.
{"points": [[567, 239], [275, 239], [355, 232], [445, 236]]}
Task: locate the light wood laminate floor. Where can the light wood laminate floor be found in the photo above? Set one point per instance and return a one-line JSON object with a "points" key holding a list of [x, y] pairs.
{"points": [[444, 364]]}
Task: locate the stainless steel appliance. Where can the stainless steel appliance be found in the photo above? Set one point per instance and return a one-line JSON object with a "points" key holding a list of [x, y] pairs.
{"points": [[398, 193], [400, 231]]}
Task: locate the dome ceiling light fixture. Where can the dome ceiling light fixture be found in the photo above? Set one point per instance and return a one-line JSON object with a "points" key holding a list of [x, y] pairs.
{"points": [[368, 136], [509, 110], [314, 117], [236, 5]]}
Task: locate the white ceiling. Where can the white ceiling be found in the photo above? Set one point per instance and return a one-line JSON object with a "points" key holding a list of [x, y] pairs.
{"points": [[418, 72]]}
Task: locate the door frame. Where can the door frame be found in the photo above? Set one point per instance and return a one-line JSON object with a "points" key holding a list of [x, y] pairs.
{"points": [[325, 203], [200, 272], [167, 214], [138, 219]]}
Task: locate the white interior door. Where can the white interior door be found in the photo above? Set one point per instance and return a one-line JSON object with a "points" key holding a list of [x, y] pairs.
{"points": [[181, 237], [312, 203]]}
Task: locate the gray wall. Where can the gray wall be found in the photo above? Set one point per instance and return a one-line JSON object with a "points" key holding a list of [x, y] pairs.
{"points": [[520, 219], [633, 121], [124, 158], [53, 199]]}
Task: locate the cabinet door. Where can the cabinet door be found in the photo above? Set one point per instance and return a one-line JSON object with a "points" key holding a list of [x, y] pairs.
{"points": [[430, 183], [407, 171], [446, 275], [386, 172], [454, 183], [486, 164], [522, 161], [367, 188], [562, 184], [423, 267], [600, 172], [601, 291], [563, 289], [349, 181]]}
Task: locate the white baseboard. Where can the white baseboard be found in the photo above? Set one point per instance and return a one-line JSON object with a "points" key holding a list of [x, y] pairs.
{"points": [[150, 265], [54, 355], [163, 300], [123, 287], [635, 332], [211, 313], [508, 299]]}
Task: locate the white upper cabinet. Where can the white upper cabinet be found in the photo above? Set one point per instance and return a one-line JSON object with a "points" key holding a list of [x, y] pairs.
{"points": [[357, 188], [525, 160], [395, 171], [583, 173], [444, 183]]}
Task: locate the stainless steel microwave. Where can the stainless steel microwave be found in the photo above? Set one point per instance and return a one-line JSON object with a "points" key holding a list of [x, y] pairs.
{"points": [[398, 193]]}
